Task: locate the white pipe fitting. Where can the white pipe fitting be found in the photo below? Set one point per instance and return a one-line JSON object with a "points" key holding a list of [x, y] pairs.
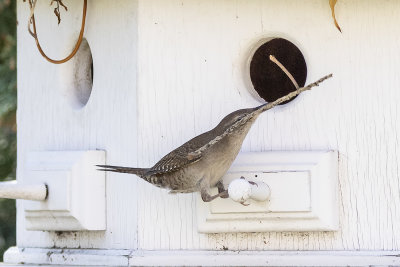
{"points": [[240, 190], [13, 190]]}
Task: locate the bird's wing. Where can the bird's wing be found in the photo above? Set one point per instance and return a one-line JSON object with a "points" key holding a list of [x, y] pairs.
{"points": [[172, 162], [184, 155]]}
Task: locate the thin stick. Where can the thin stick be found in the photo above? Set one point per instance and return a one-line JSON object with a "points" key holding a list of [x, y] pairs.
{"points": [[273, 59], [197, 154], [292, 94]]}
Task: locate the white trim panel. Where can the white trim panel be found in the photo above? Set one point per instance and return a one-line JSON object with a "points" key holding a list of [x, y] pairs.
{"points": [[304, 194], [94, 257]]}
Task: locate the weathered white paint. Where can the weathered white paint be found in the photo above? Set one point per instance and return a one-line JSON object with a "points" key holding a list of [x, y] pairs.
{"points": [[304, 194], [76, 191], [191, 58], [110, 257], [165, 71], [13, 190], [48, 122]]}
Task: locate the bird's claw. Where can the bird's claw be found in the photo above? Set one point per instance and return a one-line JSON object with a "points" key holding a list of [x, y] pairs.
{"points": [[224, 194], [244, 204]]}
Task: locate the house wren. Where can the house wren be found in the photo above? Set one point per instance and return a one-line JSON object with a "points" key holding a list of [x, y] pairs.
{"points": [[200, 163]]}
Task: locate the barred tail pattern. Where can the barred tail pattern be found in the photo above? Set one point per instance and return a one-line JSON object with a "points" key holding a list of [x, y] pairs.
{"points": [[141, 172], [138, 171]]}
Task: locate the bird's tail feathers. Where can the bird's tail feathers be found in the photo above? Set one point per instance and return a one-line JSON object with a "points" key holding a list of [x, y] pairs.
{"points": [[109, 168]]}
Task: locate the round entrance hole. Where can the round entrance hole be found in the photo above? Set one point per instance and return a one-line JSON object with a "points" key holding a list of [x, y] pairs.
{"points": [[268, 80], [77, 80]]}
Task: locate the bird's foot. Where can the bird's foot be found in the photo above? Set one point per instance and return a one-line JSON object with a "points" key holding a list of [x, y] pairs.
{"points": [[206, 197], [244, 204], [221, 190]]}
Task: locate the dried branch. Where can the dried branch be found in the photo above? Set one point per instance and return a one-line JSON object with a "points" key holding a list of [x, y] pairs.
{"points": [[32, 5], [273, 59], [293, 94]]}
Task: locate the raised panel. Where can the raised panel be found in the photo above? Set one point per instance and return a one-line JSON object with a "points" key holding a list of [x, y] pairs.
{"points": [[76, 191], [303, 194]]}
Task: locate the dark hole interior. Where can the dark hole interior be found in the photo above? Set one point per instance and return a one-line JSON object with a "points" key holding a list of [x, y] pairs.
{"points": [[268, 79]]}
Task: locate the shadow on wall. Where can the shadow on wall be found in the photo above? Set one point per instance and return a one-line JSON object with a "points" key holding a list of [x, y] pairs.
{"points": [[8, 104]]}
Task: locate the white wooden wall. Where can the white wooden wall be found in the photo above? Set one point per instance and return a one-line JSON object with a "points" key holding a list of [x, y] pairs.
{"points": [[165, 71], [48, 121]]}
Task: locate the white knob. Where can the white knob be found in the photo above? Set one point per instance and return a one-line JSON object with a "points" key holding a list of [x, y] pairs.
{"points": [[240, 190], [14, 190]]}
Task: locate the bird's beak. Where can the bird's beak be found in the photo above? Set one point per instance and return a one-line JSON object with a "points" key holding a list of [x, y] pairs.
{"points": [[260, 109], [261, 106]]}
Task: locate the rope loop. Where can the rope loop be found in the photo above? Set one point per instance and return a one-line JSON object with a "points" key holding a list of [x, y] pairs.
{"points": [[33, 32]]}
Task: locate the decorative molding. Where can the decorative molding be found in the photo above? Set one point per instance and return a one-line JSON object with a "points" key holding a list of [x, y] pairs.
{"points": [[304, 194], [96, 257], [76, 191]]}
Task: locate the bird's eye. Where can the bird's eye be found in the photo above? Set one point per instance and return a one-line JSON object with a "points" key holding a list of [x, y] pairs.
{"points": [[238, 118]]}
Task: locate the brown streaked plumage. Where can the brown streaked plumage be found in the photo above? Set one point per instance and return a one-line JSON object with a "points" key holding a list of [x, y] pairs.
{"points": [[200, 163]]}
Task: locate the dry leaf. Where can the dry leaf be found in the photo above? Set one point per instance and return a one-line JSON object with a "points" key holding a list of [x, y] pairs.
{"points": [[57, 13], [57, 9], [332, 3]]}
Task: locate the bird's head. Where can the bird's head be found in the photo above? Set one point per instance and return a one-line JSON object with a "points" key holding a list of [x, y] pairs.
{"points": [[240, 118]]}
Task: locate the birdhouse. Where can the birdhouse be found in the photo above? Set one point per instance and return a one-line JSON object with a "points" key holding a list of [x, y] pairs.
{"points": [[150, 75]]}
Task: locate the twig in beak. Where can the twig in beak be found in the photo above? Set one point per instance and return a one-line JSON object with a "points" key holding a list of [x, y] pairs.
{"points": [[291, 94]]}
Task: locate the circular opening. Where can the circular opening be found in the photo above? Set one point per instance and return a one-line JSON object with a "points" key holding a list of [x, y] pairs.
{"points": [[268, 80], [77, 77], [83, 74]]}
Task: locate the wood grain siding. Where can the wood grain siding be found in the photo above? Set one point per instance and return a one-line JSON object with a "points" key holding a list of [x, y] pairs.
{"points": [[191, 62], [166, 71], [47, 121]]}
